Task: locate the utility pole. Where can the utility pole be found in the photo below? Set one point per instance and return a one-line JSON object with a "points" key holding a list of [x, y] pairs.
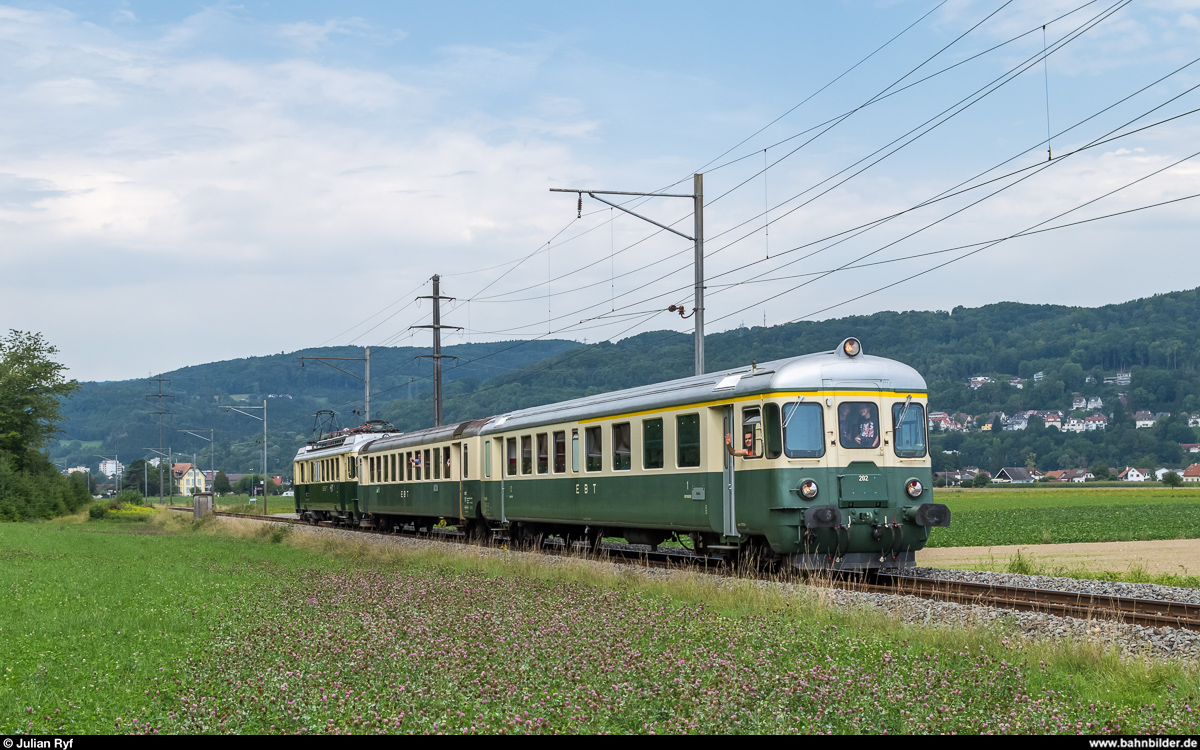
{"points": [[437, 355], [697, 196], [366, 381], [262, 419], [160, 414]]}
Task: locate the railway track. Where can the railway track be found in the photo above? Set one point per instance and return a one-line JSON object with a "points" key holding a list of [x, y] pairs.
{"points": [[1144, 612]]}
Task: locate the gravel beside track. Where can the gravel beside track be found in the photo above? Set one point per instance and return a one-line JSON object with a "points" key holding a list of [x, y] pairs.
{"points": [[1133, 641]]}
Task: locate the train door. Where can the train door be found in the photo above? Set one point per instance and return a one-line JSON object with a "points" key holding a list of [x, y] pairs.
{"points": [[728, 515], [456, 453]]}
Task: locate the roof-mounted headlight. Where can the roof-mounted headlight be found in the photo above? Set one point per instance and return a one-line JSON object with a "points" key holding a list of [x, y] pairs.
{"points": [[851, 347]]}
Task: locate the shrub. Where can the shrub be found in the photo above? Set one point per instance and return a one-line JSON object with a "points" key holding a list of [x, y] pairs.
{"points": [[97, 511]]}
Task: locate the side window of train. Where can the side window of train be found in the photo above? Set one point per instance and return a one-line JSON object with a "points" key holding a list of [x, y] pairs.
{"points": [[511, 446], [487, 459], [595, 449], [526, 454], [803, 430], [436, 464], [543, 453], [575, 451], [652, 443], [687, 437], [772, 430], [751, 437], [409, 463], [446, 459], [466, 462], [426, 464], [622, 447], [560, 452], [908, 425], [858, 424]]}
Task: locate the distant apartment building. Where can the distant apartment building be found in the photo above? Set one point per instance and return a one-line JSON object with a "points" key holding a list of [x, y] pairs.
{"points": [[112, 468]]}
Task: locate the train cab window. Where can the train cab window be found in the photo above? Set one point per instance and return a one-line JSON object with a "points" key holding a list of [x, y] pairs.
{"points": [[595, 449], [301, 473], [575, 451], [427, 463], [687, 439], [652, 444], [465, 462], [858, 424], [543, 453], [622, 447], [908, 426], [526, 454], [751, 437], [512, 457], [803, 430], [560, 452], [350, 466]]}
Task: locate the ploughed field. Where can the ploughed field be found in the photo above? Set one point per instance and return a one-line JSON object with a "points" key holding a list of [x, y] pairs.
{"points": [[1050, 516], [167, 627]]}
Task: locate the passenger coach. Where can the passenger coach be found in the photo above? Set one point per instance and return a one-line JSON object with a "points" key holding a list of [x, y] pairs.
{"points": [[819, 460]]}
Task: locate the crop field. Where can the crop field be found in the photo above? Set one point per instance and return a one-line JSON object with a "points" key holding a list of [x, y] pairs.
{"points": [[982, 518], [170, 627]]}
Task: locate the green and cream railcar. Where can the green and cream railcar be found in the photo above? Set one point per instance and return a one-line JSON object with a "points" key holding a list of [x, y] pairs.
{"points": [[821, 460], [326, 476]]}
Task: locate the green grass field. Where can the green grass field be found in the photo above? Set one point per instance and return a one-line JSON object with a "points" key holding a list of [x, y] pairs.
{"points": [[169, 627], [1048, 516]]}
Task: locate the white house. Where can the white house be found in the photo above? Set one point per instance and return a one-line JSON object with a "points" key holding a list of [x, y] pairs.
{"points": [[1134, 475], [1094, 403], [1143, 419]]}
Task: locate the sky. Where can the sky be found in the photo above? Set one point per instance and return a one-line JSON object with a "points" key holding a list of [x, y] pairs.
{"points": [[183, 182]]}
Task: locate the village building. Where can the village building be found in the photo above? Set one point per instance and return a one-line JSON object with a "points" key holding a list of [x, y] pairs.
{"points": [[1131, 474], [1014, 475], [189, 479], [1192, 473], [1143, 419]]}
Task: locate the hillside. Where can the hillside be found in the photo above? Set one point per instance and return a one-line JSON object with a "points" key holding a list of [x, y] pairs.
{"points": [[1156, 339]]}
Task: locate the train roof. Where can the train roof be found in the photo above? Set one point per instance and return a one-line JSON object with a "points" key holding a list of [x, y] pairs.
{"points": [[338, 445], [822, 371]]}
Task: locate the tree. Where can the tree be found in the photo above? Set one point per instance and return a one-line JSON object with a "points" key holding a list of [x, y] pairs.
{"points": [[221, 484], [981, 480], [32, 387], [1171, 479]]}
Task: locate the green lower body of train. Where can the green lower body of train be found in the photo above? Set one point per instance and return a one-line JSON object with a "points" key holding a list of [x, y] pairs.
{"points": [[861, 518]]}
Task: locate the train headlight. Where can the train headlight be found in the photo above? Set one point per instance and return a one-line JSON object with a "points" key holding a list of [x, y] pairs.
{"points": [[808, 489], [851, 347], [914, 488]]}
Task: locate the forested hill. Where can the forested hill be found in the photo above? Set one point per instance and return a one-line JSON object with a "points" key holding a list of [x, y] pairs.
{"points": [[1156, 338]]}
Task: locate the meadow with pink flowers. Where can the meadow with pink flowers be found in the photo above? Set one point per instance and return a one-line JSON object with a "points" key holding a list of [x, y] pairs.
{"points": [[218, 630]]}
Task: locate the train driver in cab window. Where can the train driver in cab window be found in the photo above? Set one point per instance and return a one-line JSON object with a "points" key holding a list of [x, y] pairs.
{"points": [[859, 425]]}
